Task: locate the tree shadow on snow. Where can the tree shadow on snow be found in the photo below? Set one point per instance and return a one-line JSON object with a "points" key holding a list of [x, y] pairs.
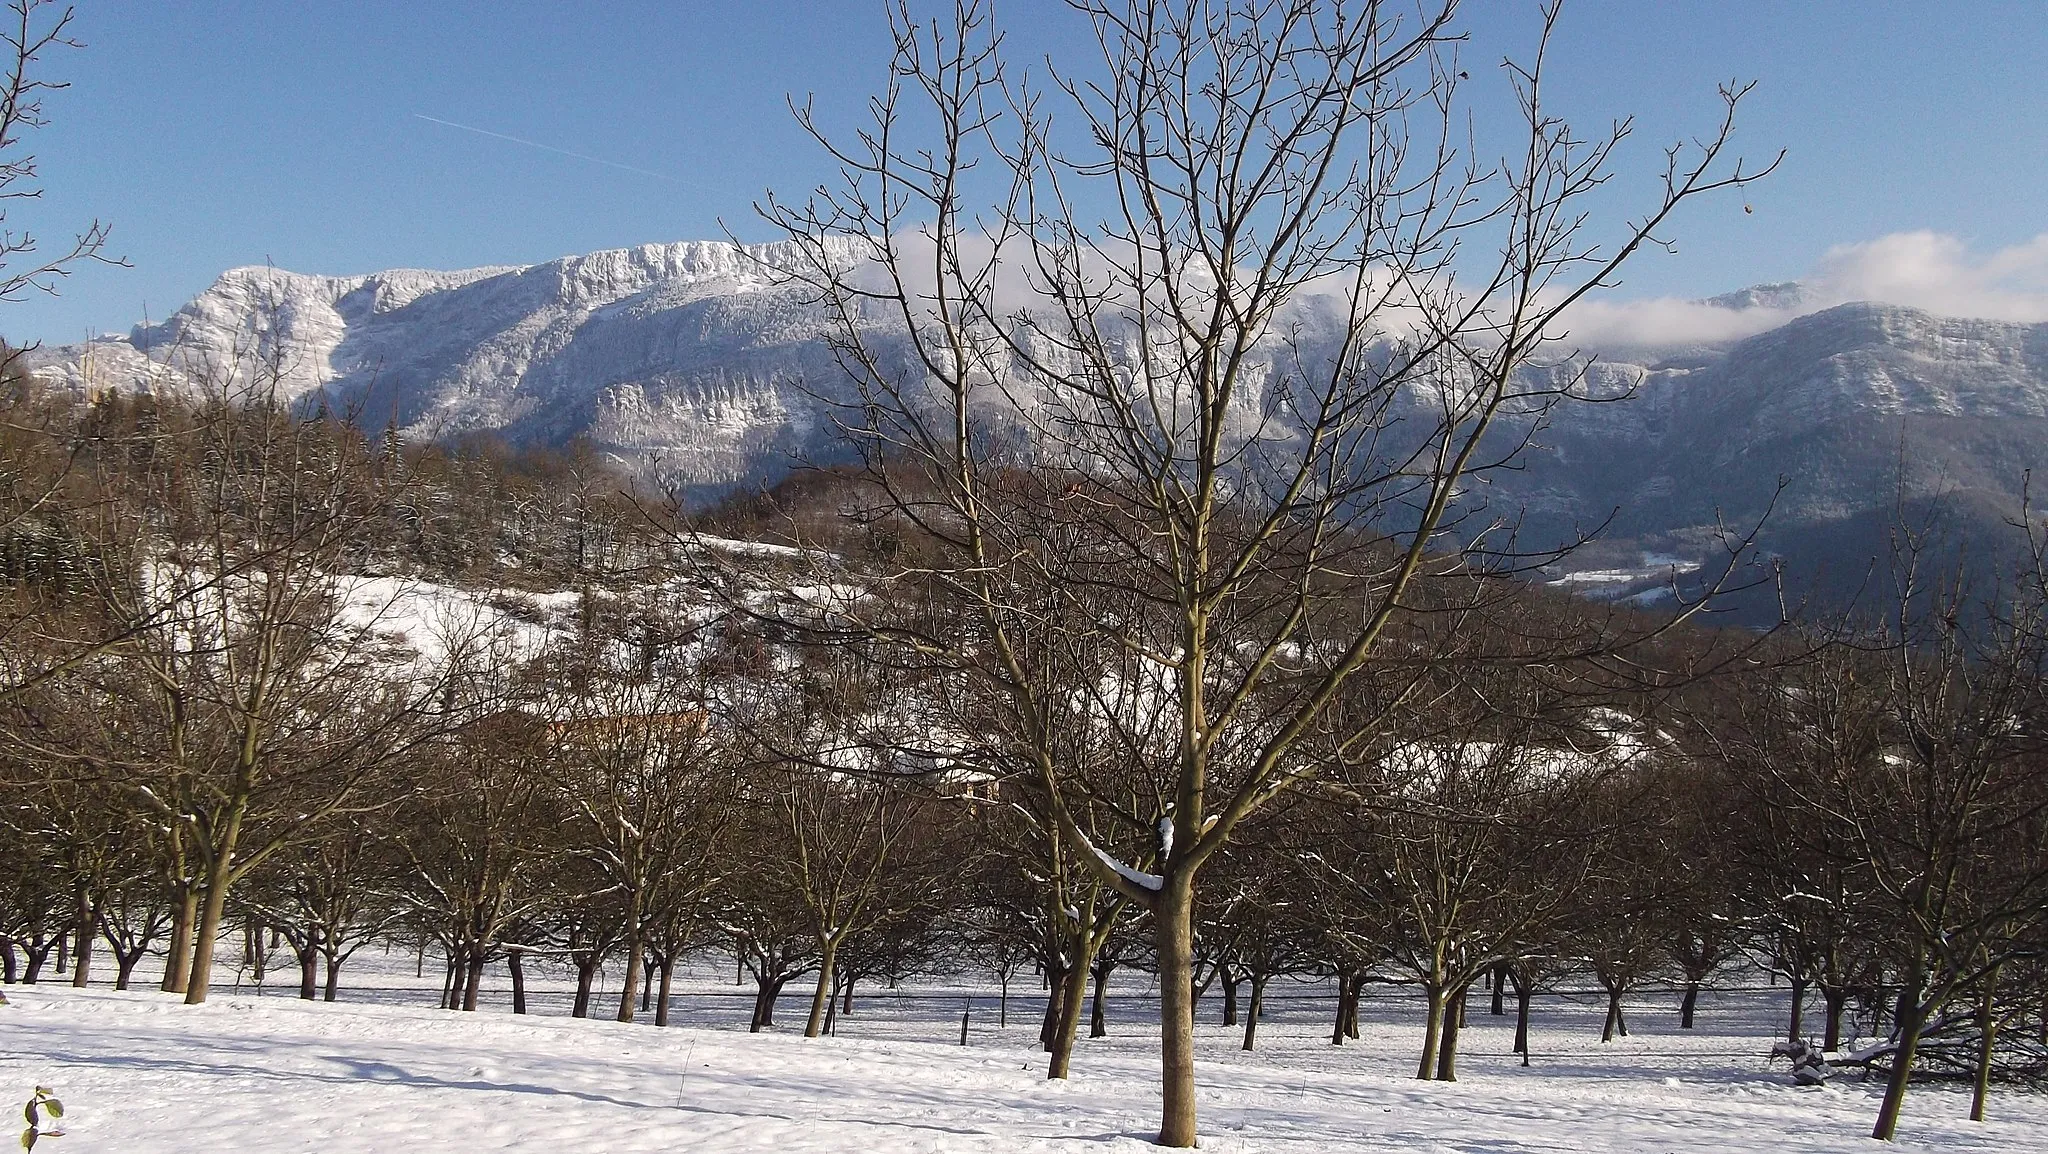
{"points": [[361, 1070]]}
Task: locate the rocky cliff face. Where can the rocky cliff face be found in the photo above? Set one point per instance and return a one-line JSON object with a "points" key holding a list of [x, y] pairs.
{"points": [[686, 353], [692, 360]]}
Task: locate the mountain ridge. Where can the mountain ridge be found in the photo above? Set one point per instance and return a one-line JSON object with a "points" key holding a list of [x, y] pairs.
{"points": [[696, 361]]}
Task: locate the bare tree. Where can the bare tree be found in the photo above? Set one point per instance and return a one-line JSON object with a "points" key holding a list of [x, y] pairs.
{"points": [[1267, 919], [1801, 888], [273, 699], [1915, 751], [649, 786], [1073, 912], [330, 896], [1253, 326], [1701, 883], [1459, 824], [479, 845], [35, 899], [844, 837], [770, 926], [137, 911]]}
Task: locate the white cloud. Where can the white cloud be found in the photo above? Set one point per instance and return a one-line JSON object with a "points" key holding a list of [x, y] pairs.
{"points": [[1665, 322], [1926, 270], [1939, 273]]}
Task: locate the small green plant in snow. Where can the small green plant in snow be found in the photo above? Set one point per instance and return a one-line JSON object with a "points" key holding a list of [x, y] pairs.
{"points": [[39, 1104]]}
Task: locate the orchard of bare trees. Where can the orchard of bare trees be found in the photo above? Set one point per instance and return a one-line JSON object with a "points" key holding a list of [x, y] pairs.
{"points": [[1152, 631], [278, 692]]}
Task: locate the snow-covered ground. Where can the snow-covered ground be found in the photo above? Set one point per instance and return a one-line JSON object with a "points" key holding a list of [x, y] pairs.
{"points": [[384, 1071]]}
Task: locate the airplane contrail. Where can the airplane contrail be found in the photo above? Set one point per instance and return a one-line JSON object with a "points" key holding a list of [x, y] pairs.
{"points": [[552, 148]]}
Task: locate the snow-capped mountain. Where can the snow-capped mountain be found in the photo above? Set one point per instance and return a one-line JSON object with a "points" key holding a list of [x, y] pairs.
{"points": [[1865, 413], [687, 353], [693, 360]]}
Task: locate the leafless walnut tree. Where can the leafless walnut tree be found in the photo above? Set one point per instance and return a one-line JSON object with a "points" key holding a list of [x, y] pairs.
{"points": [[1241, 300], [1908, 756], [258, 695], [647, 785]]}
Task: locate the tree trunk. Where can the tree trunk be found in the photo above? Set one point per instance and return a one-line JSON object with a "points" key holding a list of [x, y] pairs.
{"points": [[1098, 1020], [1447, 1047], [1797, 1030], [1688, 1004], [210, 910], [668, 975], [1909, 1020], [1835, 999], [1174, 947], [629, 987], [178, 960], [1230, 980], [1987, 1036], [1523, 995], [1432, 1030], [1500, 989], [1345, 994], [38, 954], [1257, 1008], [586, 978], [309, 967], [333, 982], [1049, 1022], [1351, 1012], [821, 996], [124, 967], [81, 962], [1072, 992], [10, 964], [1616, 1026], [473, 979], [515, 961], [88, 920], [764, 1004], [253, 954]]}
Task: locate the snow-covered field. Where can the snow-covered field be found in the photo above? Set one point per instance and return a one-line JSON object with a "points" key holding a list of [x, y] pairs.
{"points": [[384, 1071]]}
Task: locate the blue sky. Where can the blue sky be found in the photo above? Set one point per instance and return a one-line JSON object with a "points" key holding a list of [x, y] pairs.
{"points": [[219, 134]]}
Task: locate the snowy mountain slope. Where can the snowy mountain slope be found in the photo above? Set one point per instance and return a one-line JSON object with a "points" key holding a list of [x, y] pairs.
{"points": [[687, 351], [690, 360], [1858, 411]]}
